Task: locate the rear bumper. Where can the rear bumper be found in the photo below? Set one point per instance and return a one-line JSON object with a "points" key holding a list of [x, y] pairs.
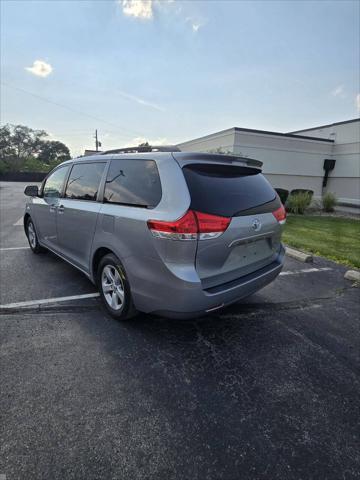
{"points": [[163, 293], [219, 297]]}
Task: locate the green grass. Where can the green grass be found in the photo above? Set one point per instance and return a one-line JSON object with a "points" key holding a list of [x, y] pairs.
{"points": [[332, 237]]}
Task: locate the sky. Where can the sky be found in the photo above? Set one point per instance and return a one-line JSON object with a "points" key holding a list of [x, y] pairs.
{"points": [[167, 71]]}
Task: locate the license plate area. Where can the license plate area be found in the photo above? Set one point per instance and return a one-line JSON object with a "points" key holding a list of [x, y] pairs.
{"points": [[257, 249], [254, 238]]}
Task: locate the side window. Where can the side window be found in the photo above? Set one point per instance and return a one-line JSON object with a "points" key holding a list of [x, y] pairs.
{"points": [[133, 182], [54, 183], [84, 181]]}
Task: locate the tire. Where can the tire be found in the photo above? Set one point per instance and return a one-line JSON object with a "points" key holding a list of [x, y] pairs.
{"points": [[33, 238], [114, 288]]}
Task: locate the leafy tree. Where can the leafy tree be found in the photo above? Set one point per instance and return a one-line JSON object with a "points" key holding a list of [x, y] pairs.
{"points": [[221, 150], [26, 141], [5, 141], [19, 144], [53, 151], [145, 147]]}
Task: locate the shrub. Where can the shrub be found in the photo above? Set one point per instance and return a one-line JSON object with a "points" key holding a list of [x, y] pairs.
{"points": [[283, 194], [329, 201], [3, 167], [32, 164], [298, 202], [302, 190]]}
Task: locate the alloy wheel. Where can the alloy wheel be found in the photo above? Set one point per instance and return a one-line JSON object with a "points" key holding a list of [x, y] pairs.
{"points": [[31, 235], [113, 287]]}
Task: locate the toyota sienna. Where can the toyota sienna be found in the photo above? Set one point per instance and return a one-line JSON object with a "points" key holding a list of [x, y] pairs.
{"points": [[173, 233]]}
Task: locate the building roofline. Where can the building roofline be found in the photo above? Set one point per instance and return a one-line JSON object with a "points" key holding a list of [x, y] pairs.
{"points": [[220, 132], [328, 125], [261, 132], [289, 135]]}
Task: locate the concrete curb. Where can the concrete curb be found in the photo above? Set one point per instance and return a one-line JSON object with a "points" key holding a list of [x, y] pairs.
{"points": [[301, 256], [353, 275]]}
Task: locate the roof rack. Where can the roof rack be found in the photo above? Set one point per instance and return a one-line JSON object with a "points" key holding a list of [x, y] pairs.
{"points": [[144, 149]]}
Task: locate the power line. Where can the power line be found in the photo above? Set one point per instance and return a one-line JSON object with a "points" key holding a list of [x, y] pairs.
{"points": [[79, 112]]}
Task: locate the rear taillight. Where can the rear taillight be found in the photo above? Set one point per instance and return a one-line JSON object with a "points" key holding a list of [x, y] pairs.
{"points": [[183, 229], [280, 214], [211, 226], [192, 226]]}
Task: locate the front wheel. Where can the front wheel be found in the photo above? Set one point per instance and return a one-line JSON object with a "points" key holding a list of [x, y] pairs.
{"points": [[32, 237], [115, 288]]}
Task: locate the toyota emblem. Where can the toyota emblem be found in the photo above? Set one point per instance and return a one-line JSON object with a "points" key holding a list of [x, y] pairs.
{"points": [[256, 224]]}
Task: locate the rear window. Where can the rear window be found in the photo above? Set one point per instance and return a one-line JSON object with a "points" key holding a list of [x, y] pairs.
{"points": [[133, 182], [227, 190]]}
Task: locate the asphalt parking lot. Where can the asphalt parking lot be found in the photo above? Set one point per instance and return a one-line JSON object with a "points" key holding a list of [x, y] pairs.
{"points": [[267, 389]]}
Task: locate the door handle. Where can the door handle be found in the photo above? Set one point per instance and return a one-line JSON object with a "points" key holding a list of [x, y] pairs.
{"points": [[61, 209]]}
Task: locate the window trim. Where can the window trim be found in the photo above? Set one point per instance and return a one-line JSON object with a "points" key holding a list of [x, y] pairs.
{"points": [[68, 166], [101, 192], [127, 204], [101, 183]]}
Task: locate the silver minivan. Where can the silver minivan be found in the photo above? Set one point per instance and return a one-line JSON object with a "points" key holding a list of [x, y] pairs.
{"points": [[173, 233]]}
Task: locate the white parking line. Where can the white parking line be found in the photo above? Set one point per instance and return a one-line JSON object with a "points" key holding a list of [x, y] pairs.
{"points": [[44, 301], [14, 248], [19, 222], [305, 270]]}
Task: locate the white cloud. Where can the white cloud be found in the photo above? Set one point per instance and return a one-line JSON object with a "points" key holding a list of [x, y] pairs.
{"points": [[40, 68], [154, 141], [138, 8], [338, 91], [134, 142], [195, 24], [121, 142], [141, 101], [144, 10]]}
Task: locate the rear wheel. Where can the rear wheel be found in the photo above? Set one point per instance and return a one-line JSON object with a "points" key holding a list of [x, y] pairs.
{"points": [[115, 288], [32, 237]]}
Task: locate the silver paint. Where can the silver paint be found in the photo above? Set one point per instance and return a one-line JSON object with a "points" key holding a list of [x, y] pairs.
{"points": [[175, 278]]}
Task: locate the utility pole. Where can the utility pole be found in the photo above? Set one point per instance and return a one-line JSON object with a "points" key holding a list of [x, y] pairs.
{"points": [[97, 143]]}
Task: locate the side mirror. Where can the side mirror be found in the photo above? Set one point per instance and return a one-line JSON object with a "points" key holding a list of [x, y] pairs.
{"points": [[31, 191]]}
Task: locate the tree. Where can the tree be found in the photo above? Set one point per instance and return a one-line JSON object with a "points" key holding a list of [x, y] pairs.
{"points": [[19, 144], [221, 150], [53, 151], [26, 141], [145, 147], [5, 141]]}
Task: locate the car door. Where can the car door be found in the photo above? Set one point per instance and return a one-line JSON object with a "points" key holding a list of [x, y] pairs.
{"points": [[78, 212], [44, 208]]}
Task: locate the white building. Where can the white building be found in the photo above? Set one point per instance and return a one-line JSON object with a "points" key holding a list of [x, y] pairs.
{"points": [[296, 159]]}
